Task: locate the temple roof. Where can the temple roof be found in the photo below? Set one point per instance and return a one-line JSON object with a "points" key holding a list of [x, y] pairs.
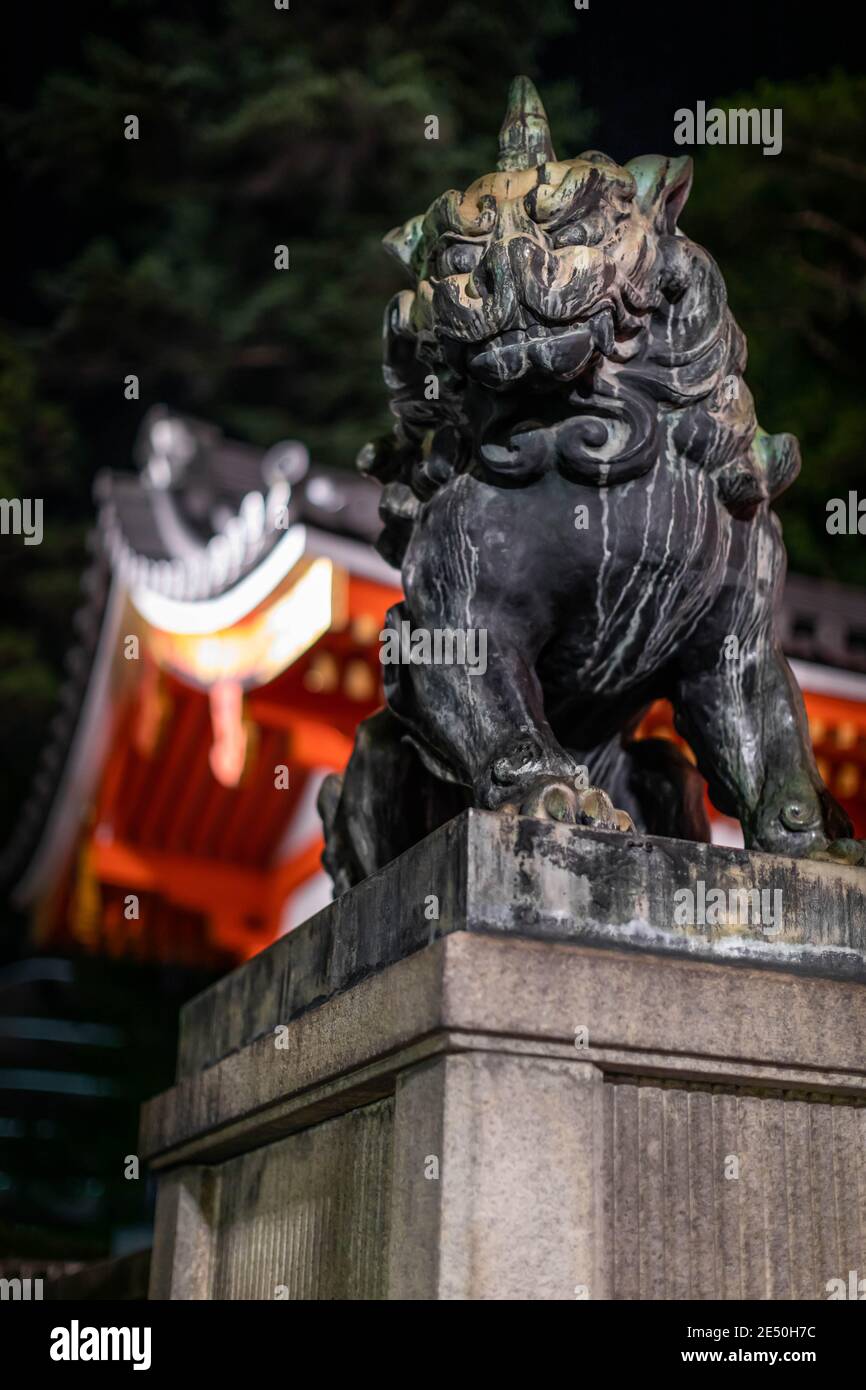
{"points": [[204, 511], [199, 516]]}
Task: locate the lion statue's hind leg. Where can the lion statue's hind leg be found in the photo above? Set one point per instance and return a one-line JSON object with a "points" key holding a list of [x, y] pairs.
{"points": [[385, 802]]}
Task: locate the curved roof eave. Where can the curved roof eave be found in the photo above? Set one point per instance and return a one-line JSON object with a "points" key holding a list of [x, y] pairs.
{"points": [[89, 744], [83, 764]]}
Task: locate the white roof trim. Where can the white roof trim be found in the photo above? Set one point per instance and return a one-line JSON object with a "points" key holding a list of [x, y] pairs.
{"points": [[197, 618], [827, 680], [83, 765], [355, 556]]}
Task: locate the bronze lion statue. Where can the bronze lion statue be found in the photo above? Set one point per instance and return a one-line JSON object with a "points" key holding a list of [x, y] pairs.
{"points": [[577, 475]]}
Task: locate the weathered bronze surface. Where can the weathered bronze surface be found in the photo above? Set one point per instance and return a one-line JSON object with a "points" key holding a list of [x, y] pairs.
{"points": [[576, 473]]}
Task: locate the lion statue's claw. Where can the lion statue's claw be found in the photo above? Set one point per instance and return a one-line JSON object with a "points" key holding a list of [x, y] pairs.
{"points": [[565, 800]]}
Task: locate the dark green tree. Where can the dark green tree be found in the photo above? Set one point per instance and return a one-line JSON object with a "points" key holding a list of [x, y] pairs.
{"points": [[789, 232]]}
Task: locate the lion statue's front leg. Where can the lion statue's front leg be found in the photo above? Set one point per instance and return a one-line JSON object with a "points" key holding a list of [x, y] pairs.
{"points": [[459, 733]]}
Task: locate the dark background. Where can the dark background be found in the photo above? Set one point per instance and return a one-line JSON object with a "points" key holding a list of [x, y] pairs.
{"points": [[261, 126]]}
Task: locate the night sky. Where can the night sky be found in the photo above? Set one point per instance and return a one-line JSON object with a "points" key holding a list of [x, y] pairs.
{"points": [[637, 63]]}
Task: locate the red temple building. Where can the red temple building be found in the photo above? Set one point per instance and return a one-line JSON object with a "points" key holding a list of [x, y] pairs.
{"points": [[227, 649]]}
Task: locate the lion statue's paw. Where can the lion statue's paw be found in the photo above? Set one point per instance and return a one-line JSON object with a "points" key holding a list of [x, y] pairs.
{"points": [[561, 799]]}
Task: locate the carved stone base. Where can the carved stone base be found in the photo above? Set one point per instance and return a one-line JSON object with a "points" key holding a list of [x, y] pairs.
{"points": [[563, 1096]]}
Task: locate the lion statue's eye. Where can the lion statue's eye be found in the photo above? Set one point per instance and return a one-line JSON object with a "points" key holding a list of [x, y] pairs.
{"points": [[575, 235], [588, 229], [459, 258]]}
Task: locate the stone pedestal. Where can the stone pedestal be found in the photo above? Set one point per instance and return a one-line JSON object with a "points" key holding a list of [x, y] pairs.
{"points": [[550, 1090]]}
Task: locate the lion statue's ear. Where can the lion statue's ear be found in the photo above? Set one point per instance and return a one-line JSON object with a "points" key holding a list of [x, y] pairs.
{"points": [[662, 187], [402, 242]]}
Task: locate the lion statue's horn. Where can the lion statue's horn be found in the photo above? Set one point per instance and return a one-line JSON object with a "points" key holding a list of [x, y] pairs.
{"points": [[524, 140]]}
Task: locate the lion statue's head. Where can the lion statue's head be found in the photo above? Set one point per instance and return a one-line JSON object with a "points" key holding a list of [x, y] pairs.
{"points": [[560, 319]]}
